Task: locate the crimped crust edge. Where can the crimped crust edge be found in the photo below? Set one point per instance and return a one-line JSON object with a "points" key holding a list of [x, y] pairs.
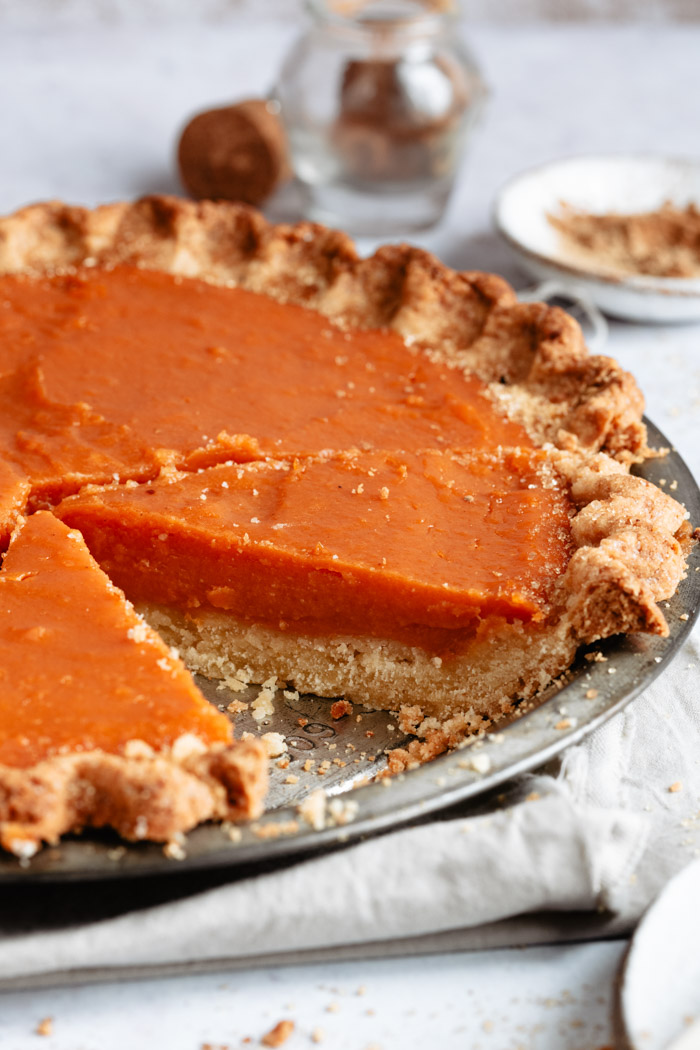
{"points": [[141, 794]]}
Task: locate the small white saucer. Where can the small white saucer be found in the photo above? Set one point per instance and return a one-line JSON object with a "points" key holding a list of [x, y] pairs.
{"points": [[600, 184], [659, 994]]}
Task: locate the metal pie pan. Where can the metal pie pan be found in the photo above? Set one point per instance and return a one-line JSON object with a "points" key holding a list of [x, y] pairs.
{"points": [[352, 749]]}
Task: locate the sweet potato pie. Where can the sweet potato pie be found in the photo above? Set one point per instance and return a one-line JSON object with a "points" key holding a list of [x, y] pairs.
{"points": [[240, 443]]}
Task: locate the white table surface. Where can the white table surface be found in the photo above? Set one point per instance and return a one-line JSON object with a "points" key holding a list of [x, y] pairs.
{"points": [[92, 114]]}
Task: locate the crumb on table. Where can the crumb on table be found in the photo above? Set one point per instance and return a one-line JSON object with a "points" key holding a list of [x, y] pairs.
{"points": [[279, 1034]]}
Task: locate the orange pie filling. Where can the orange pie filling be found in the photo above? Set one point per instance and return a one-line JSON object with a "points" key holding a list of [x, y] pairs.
{"points": [[116, 372], [428, 549], [79, 670]]}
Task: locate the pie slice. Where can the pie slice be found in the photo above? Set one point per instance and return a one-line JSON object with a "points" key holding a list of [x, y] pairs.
{"points": [[100, 723], [453, 580]]}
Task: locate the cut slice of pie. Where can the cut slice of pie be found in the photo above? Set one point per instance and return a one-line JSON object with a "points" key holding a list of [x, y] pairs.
{"points": [[100, 723], [455, 581]]}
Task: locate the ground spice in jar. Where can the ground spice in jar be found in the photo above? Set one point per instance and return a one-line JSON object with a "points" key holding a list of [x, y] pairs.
{"points": [[395, 123]]}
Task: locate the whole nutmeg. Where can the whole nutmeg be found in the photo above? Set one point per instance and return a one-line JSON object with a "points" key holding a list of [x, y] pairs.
{"points": [[236, 153]]}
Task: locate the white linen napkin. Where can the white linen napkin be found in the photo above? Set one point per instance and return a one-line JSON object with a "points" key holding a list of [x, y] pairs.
{"points": [[580, 854]]}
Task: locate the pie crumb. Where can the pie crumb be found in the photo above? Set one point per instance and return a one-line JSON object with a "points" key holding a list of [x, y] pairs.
{"points": [[343, 811], [313, 809], [275, 830], [591, 694], [263, 706], [275, 744], [341, 708], [279, 1034], [174, 850], [318, 1035], [675, 787], [478, 763], [45, 1026]]}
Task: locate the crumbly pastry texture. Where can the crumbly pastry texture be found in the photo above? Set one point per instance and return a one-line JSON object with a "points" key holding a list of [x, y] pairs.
{"points": [[631, 539], [141, 794]]}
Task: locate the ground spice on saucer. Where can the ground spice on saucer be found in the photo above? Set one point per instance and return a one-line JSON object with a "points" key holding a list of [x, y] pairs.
{"points": [[662, 243]]}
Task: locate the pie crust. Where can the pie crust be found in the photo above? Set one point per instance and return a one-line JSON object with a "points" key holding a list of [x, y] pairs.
{"points": [[631, 539], [152, 796]]}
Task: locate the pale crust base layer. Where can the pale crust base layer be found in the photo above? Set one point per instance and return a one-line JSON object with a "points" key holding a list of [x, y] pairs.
{"points": [[379, 673], [142, 795]]}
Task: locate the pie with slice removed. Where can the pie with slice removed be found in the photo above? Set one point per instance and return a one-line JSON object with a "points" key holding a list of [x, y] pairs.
{"points": [[377, 478]]}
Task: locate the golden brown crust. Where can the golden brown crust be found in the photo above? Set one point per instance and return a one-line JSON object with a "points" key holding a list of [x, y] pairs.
{"points": [[632, 541], [532, 356], [142, 795]]}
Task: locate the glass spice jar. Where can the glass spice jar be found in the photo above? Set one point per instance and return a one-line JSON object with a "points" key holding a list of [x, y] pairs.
{"points": [[377, 99]]}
